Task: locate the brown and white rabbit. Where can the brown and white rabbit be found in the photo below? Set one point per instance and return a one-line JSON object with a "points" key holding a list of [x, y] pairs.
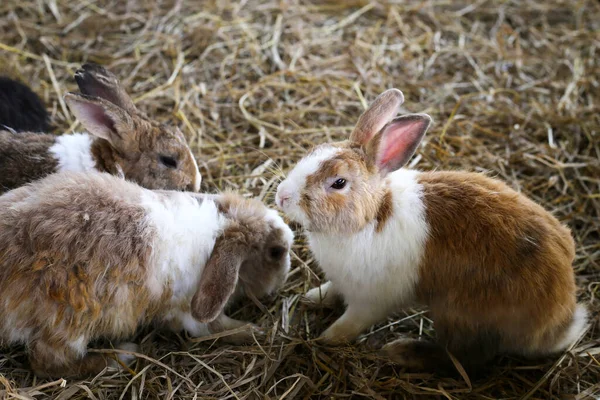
{"points": [[119, 140], [493, 267], [89, 256]]}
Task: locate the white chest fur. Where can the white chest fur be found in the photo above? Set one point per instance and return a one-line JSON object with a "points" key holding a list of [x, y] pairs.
{"points": [[74, 153], [379, 268]]}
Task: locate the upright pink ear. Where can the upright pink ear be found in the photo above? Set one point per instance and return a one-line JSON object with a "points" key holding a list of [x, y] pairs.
{"points": [[100, 117], [383, 109], [398, 141]]}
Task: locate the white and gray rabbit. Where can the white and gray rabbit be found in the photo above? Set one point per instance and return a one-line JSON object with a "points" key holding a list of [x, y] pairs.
{"points": [[89, 256]]}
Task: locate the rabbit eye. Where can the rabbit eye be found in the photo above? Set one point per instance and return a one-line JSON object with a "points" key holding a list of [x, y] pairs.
{"points": [[276, 252], [339, 184], [167, 161]]}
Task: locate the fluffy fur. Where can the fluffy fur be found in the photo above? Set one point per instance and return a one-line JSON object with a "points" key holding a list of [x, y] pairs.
{"points": [[73, 152], [119, 140], [21, 109], [89, 256], [493, 267], [25, 157]]}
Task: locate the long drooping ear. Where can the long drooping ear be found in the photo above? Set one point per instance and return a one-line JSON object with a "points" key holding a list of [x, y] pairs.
{"points": [[95, 80], [101, 118], [383, 109], [395, 144], [219, 278]]}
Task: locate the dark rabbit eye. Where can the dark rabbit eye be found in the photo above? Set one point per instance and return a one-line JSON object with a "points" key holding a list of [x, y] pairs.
{"points": [[276, 252], [168, 161], [339, 184]]}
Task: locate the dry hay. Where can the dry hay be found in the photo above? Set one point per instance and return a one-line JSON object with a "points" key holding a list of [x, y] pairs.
{"points": [[512, 86]]}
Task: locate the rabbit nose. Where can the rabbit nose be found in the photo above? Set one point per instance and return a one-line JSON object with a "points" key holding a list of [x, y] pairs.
{"points": [[281, 197]]}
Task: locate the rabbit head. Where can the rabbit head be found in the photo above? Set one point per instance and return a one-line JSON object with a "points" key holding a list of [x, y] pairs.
{"points": [[337, 187], [251, 258], [149, 153]]}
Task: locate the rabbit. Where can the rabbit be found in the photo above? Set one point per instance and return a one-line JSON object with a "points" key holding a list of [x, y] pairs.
{"points": [[21, 109], [493, 267], [92, 256], [120, 140]]}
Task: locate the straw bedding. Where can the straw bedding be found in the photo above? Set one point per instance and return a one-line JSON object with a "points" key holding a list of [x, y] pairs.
{"points": [[513, 87]]}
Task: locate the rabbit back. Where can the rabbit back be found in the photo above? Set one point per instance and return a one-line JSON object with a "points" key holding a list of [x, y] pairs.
{"points": [[69, 263]]}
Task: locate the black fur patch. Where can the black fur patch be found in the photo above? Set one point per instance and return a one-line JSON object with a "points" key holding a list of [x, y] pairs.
{"points": [[21, 109]]}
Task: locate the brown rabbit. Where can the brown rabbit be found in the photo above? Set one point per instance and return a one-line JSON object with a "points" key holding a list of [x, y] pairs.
{"points": [[89, 256], [120, 140], [493, 267]]}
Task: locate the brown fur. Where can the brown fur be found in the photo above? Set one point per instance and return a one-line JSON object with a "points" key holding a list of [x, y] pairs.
{"points": [[138, 157], [385, 211], [126, 141], [497, 268], [418, 355], [497, 273], [135, 144], [379, 112], [485, 235], [62, 294], [24, 157], [219, 276], [357, 162], [95, 80], [328, 210], [75, 258], [263, 243], [141, 140]]}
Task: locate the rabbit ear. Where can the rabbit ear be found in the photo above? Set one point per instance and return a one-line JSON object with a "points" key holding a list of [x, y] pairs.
{"points": [[95, 80], [218, 280], [383, 109], [395, 144], [101, 118]]}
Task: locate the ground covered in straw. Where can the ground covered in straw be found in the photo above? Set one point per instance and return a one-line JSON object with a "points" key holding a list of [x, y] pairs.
{"points": [[513, 87]]}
